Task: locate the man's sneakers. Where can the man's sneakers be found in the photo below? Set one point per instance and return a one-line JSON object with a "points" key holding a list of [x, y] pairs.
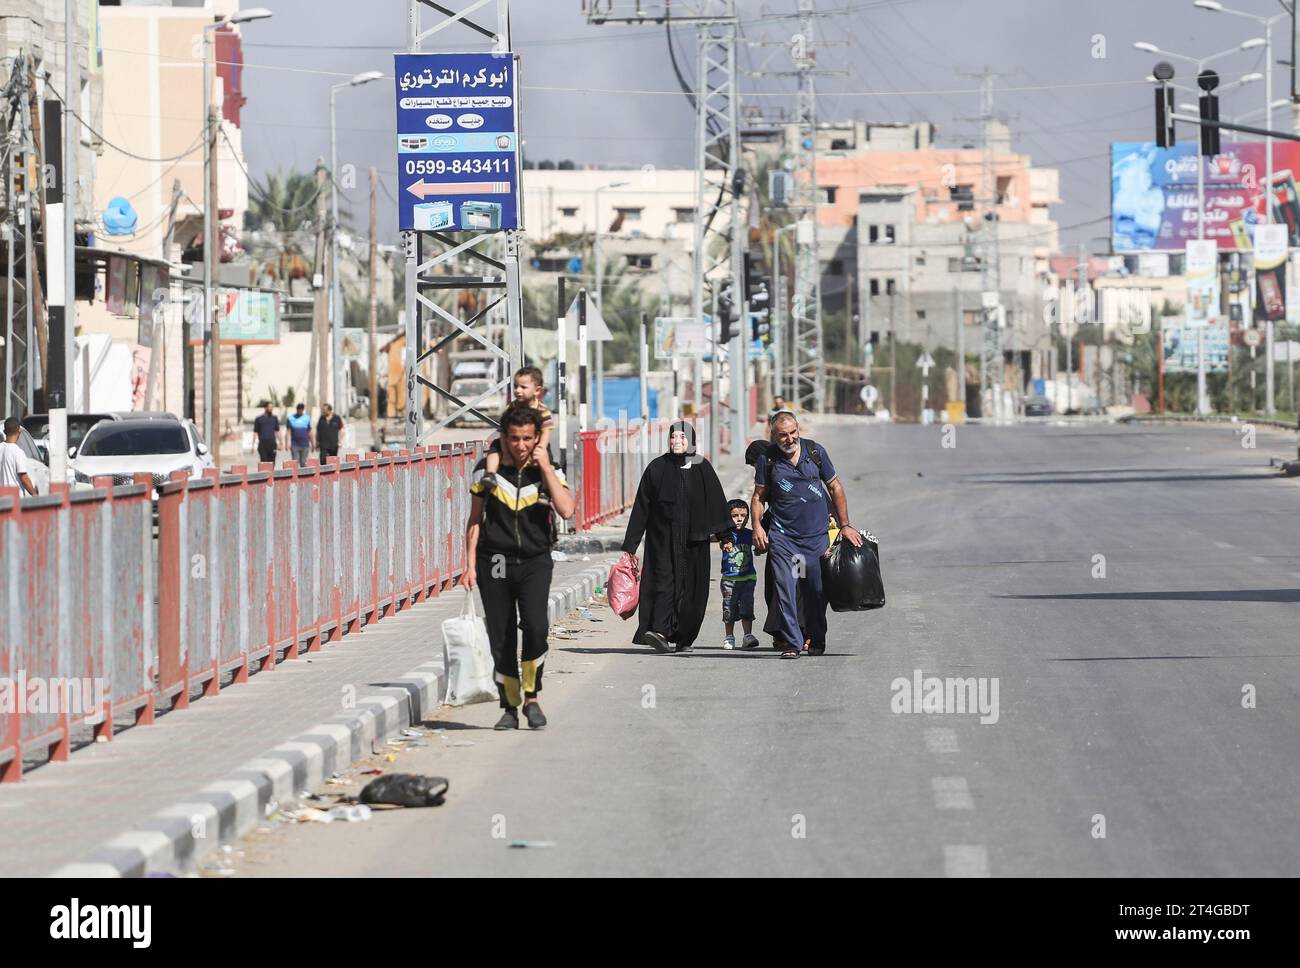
{"points": [[729, 642], [533, 713], [750, 642]]}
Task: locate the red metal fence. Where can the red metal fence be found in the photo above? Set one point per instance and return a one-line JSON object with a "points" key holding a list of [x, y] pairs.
{"points": [[254, 567]]}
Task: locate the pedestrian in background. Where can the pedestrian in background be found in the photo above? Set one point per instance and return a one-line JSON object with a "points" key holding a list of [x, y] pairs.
{"points": [[300, 435], [266, 428], [13, 462], [328, 428], [679, 510], [508, 544]]}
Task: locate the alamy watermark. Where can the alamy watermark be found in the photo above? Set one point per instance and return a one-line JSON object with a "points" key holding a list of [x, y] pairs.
{"points": [[952, 695], [38, 695]]}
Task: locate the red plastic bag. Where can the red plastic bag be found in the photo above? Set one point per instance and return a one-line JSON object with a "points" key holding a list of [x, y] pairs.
{"points": [[624, 586]]}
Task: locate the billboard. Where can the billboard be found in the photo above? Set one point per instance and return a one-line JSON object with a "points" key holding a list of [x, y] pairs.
{"points": [[1154, 196], [676, 336], [457, 142], [1201, 270], [1179, 344]]}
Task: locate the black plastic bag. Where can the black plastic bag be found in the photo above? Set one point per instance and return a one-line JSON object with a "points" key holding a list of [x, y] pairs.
{"points": [[851, 576], [405, 790]]}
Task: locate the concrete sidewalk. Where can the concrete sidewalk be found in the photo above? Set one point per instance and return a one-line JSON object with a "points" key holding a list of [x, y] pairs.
{"points": [[169, 793], [160, 798]]}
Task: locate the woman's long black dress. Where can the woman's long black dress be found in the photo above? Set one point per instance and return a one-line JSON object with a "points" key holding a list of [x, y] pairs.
{"points": [[679, 510]]}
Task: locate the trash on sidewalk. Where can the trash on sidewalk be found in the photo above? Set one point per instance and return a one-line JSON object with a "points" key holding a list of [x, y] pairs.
{"points": [[586, 616], [520, 844], [372, 771], [353, 814], [406, 790], [559, 556], [412, 732]]}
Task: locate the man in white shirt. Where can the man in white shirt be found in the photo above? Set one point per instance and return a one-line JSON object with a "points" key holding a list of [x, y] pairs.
{"points": [[13, 462]]}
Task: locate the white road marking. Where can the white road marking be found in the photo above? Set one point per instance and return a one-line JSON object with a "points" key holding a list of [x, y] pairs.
{"points": [[940, 739], [952, 793], [1223, 544], [965, 860]]}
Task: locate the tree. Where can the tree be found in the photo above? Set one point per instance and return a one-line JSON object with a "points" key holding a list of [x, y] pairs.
{"points": [[280, 224]]}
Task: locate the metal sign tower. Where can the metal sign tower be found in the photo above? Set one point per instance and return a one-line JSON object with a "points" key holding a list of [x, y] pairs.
{"points": [[500, 271], [809, 363], [719, 228]]}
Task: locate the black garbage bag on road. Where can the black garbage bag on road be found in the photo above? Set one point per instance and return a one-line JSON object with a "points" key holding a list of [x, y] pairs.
{"points": [[406, 790], [851, 576]]}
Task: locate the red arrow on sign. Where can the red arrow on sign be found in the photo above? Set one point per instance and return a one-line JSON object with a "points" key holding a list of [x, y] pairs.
{"points": [[422, 189]]}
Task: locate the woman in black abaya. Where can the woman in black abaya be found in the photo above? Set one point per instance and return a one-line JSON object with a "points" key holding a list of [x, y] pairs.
{"points": [[679, 510]]}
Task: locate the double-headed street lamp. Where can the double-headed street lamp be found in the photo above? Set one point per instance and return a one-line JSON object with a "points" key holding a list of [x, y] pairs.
{"points": [[211, 327], [336, 289], [600, 297], [1267, 22]]}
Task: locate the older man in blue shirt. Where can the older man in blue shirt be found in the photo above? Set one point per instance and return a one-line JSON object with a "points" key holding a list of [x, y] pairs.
{"points": [[797, 481]]}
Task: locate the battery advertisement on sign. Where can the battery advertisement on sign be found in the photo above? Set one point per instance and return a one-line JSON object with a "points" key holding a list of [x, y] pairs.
{"points": [[457, 142]]}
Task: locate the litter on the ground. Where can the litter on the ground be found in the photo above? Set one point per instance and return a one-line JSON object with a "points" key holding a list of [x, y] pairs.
{"points": [[559, 556], [353, 814], [391, 757], [412, 732], [406, 790], [520, 844], [372, 771]]}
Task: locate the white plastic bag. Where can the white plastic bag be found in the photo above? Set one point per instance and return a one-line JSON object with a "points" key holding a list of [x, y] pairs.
{"points": [[468, 657]]}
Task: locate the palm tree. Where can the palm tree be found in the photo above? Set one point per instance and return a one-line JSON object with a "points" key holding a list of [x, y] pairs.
{"points": [[280, 224]]}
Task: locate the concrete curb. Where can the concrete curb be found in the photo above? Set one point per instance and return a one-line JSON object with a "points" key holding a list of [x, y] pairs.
{"points": [[175, 840]]}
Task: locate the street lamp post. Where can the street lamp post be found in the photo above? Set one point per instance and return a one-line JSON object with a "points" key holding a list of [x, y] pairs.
{"points": [[1267, 22], [1202, 396], [600, 297], [211, 326], [336, 289]]}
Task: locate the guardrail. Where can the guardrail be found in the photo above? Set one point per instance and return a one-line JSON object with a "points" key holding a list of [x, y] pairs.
{"points": [[251, 564], [77, 600]]}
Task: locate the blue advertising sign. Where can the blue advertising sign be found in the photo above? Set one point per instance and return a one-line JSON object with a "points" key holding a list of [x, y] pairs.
{"points": [[457, 142]]}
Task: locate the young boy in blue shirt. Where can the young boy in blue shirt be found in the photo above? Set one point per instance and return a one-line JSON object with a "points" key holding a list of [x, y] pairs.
{"points": [[738, 577]]}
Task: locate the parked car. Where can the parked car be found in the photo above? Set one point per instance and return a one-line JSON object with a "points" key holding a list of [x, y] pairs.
{"points": [[1038, 407], [154, 443], [470, 388], [79, 425]]}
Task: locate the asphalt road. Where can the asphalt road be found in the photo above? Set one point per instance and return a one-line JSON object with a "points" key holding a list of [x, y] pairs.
{"points": [[1121, 704]]}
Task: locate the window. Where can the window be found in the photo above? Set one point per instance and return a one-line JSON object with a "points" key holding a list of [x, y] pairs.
{"points": [[1004, 189], [880, 234], [839, 144], [964, 196], [875, 287], [568, 211], [684, 214], [920, 314], [889, 233], [629, 214], [889, 287], [828, 194], [640, 261], [920, 260]]}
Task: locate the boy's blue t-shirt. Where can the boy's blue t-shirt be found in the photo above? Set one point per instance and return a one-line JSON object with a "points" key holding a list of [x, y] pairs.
{"points": [[738, 564], [300, 430]]}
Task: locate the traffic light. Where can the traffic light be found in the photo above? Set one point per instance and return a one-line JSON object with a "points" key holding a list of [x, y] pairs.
{"points": [[728, 311], [1209, 105], [1165, 137], [757, 297]]}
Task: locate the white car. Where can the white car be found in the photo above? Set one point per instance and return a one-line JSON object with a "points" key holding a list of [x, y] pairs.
{"points": [[156, 444]]}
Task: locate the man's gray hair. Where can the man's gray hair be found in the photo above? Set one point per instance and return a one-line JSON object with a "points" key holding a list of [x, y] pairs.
{"points": [[781, 415]]}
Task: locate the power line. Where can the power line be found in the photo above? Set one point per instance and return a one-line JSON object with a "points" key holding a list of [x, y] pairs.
{"points": [[117, 148]]}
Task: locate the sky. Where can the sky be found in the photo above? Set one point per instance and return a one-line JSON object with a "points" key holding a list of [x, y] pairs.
{"points": [[607, 95]]}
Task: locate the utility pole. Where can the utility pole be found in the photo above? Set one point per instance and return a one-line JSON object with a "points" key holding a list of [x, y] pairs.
{"points": [[320, 301], [992, 373], [374, 306], [212, 264]]}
